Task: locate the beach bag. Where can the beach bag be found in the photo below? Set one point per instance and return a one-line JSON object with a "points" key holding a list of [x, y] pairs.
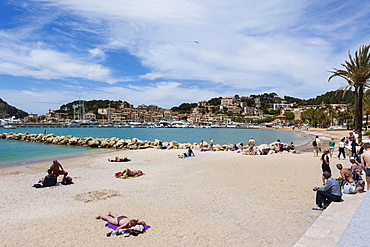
{"points": [[67, 180], [360, 186], [314, 143], [349, 188]]}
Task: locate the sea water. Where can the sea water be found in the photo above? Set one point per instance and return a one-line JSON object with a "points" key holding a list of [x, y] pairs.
{"points": [[20, 152]]}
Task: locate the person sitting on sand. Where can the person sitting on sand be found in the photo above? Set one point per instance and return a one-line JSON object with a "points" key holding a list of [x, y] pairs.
{"points": [[188, 153], [290, 147], [345, 175], [49, 180], [161, 146], [331, 192], [56, 171], [121, 221], [134, 173]]}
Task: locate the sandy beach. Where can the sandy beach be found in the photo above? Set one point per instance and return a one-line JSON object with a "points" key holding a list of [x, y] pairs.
{"points": [[212, 199]]}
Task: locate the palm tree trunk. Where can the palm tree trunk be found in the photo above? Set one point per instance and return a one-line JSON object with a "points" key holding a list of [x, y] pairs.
{"points": [[359, 92]]}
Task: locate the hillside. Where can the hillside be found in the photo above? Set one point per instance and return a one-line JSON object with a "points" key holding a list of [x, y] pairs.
{"points": [[7, 110]]}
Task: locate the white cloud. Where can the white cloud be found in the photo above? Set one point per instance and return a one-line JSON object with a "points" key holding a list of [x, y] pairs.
{"points": [[242, 46], [19, 60], [96, 52]]}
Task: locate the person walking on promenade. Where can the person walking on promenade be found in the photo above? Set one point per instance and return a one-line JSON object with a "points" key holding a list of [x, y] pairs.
{"points": [[341, 148], [316, 146], [325, 166], [331, 147]]}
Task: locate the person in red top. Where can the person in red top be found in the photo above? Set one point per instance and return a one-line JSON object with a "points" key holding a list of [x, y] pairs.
{"points": [[57, 169]]}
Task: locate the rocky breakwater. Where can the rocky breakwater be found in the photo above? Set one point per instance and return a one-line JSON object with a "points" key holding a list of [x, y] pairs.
{"points": [[117, 143]]}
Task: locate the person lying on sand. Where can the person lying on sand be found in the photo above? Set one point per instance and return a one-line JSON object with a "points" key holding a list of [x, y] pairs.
{"points": [[129, 172], [117, 159], [122, 221]]}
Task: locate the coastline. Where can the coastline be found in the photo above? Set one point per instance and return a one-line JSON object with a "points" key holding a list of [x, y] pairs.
{"points": [[213, 199]]}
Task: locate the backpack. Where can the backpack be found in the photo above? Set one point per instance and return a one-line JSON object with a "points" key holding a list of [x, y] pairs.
{"points": [[67, 180], [314, 143]]}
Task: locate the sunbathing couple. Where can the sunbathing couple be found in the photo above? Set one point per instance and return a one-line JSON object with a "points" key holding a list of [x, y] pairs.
{"points": [[54, 171], [117, 159], [123, 223]]}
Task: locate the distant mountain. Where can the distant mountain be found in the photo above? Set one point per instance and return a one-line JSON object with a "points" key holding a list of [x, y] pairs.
{"points": [[7, 110]]}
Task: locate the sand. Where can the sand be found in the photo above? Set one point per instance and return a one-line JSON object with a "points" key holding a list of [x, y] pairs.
{"points": [[212, 199]]}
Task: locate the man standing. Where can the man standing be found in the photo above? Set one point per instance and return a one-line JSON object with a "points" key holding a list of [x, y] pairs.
{"points": [[251, 144], [330, 192], [316, 146], [365, 162], [210, 144]]}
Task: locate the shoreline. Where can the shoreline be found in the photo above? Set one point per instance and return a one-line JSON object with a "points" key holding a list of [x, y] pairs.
{"points": [[305, 147]]}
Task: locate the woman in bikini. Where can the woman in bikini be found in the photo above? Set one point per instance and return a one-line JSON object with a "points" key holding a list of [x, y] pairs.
{"points": [[129, 172], [122, 221]]}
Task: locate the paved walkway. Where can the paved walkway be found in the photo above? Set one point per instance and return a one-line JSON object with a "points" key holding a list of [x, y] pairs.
{"points": [[329, 227], [357, 232]]}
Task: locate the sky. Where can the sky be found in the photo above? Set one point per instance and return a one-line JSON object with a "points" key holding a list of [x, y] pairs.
{"points": [[167, 52]]}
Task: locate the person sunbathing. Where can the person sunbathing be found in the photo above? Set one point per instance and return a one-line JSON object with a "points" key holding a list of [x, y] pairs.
{"points": [[123, 222], [117, 159], [129, 172], [187, 154], [345, 175]]}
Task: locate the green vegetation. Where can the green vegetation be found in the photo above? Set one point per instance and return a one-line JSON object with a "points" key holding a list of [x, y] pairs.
{"points": [[7, 110], [184, 108], [357, 74], [89, 106]]}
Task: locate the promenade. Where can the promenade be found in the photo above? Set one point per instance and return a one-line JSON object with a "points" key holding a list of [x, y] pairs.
{"points": [[342, 224]]}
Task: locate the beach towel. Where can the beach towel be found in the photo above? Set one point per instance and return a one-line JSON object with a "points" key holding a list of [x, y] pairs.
{"points": [[183, 157], [114, 227], [39, 186], [118, 175]]}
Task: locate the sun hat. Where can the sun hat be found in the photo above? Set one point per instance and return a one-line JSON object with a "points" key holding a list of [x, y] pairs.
{"points": [[352, 158]]}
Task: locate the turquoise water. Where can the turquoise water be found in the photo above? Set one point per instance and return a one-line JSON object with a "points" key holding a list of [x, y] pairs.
{"points": [[17, 152]]}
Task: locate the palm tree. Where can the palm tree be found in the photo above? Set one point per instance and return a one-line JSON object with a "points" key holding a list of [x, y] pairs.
{"points": [[357, 73]]}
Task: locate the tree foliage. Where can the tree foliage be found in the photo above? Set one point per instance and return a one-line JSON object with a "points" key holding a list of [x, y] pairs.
{"points": [[184, 108], [215, 101], [7, 110], [356, 71], [90, 106]]}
